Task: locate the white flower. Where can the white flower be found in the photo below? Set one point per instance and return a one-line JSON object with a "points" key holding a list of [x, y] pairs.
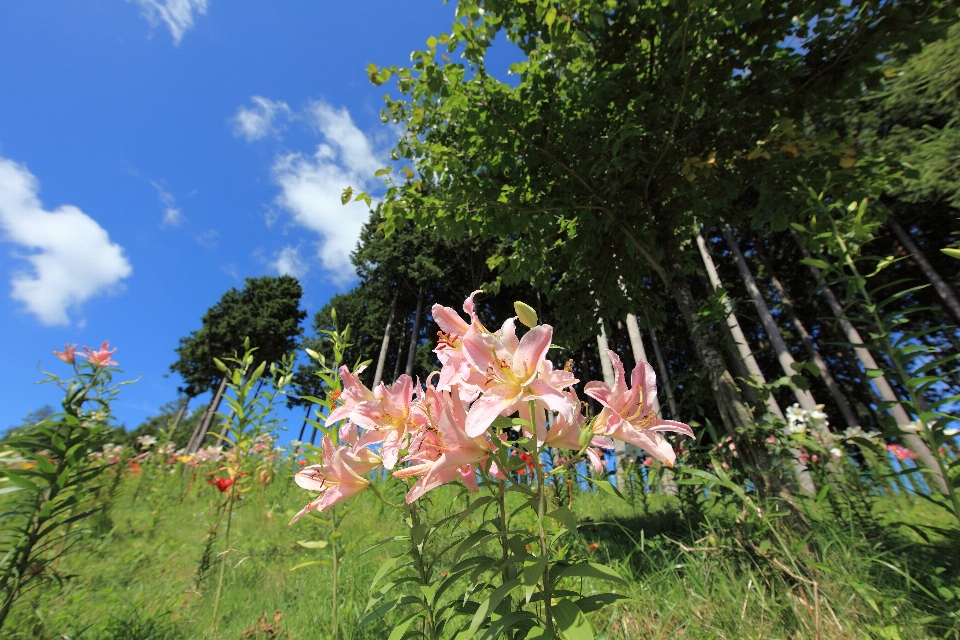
{"points": [[951, 432], [854, 432], [913, 427], [796, 419], [795, 413], [146, 441], [836, 453], [818, 415]]}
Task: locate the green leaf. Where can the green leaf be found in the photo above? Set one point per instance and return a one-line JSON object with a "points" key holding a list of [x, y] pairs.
{"points": [[950, 251], [491, 603], [312, 544], [346, 195], [551, 16], [598, 601], [565, 517], [874, 373], [310, 564], [401, 629], [591, 570], [571, 622], [606, 487], [532, 572], [473, 506], [814, 262]]}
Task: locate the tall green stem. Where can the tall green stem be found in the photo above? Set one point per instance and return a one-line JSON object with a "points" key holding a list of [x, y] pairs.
{"points": [[223, 560], [902, 373], [422, 572], [504, 549], [336, 575], [541, 516]]}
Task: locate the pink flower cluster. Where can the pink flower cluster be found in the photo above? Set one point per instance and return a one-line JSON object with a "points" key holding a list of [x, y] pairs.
{"points": [[100, 357], [444, 430], [900, 452]]}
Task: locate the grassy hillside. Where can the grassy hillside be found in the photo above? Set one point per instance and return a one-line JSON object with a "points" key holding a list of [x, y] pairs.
{"points": [[148, 568]]}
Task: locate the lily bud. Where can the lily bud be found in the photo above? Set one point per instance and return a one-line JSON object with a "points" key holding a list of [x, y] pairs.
{"points": [[525, 314]]}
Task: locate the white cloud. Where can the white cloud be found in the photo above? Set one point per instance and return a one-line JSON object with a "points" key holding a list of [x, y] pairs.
{"points": [[209, 239], [257, 122], [311, 186], [288, 262], [172, 216], [177, 14], [72, 256]]}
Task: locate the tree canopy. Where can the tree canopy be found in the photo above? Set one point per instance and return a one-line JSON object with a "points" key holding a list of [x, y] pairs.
{"points": [[267, 310]]}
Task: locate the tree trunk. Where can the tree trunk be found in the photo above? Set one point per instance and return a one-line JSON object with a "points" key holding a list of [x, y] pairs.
{"points": [[947, 295], [415, 333], [303, 427], [602, 346], [899, 414], [734, 412], [664, 373], [739, 339], [226, 425], [803, 476], [400, 343], [180, 413], [201, 431], [845, 409], [385, 344], [804, 398]]}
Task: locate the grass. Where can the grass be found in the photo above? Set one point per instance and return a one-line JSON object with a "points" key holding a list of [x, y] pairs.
{"points": [[146, 570]]}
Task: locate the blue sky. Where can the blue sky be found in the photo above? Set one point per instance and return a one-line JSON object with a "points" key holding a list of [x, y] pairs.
{"points": [[153, 153]]}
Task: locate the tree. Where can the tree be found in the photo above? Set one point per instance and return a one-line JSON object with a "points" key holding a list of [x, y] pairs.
{"points": [[631, 125], [267, 311]]}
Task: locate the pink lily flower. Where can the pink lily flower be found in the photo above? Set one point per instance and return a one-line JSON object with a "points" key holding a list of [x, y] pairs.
{"points": [[628, 414], [68, 355], [565, 434], [511, 367], [341, 475], [101, 357], [389, 416], [444, 452], [455, 369], [354, 392]]}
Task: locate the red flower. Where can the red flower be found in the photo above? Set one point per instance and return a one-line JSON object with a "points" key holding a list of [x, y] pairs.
{"points": [[221, 483]]}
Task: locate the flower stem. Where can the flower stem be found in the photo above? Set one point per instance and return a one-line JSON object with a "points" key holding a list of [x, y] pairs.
{"points": [[223, 560], [544, 551], [336, 576], [422, 571], [505, 550]]}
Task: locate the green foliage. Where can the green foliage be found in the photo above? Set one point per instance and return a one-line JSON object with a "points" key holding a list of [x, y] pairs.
{"points": [[135, 627], [48, 482], [714, 587], [158, 426], [593, 146], [267, 311], [837, 233]]}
